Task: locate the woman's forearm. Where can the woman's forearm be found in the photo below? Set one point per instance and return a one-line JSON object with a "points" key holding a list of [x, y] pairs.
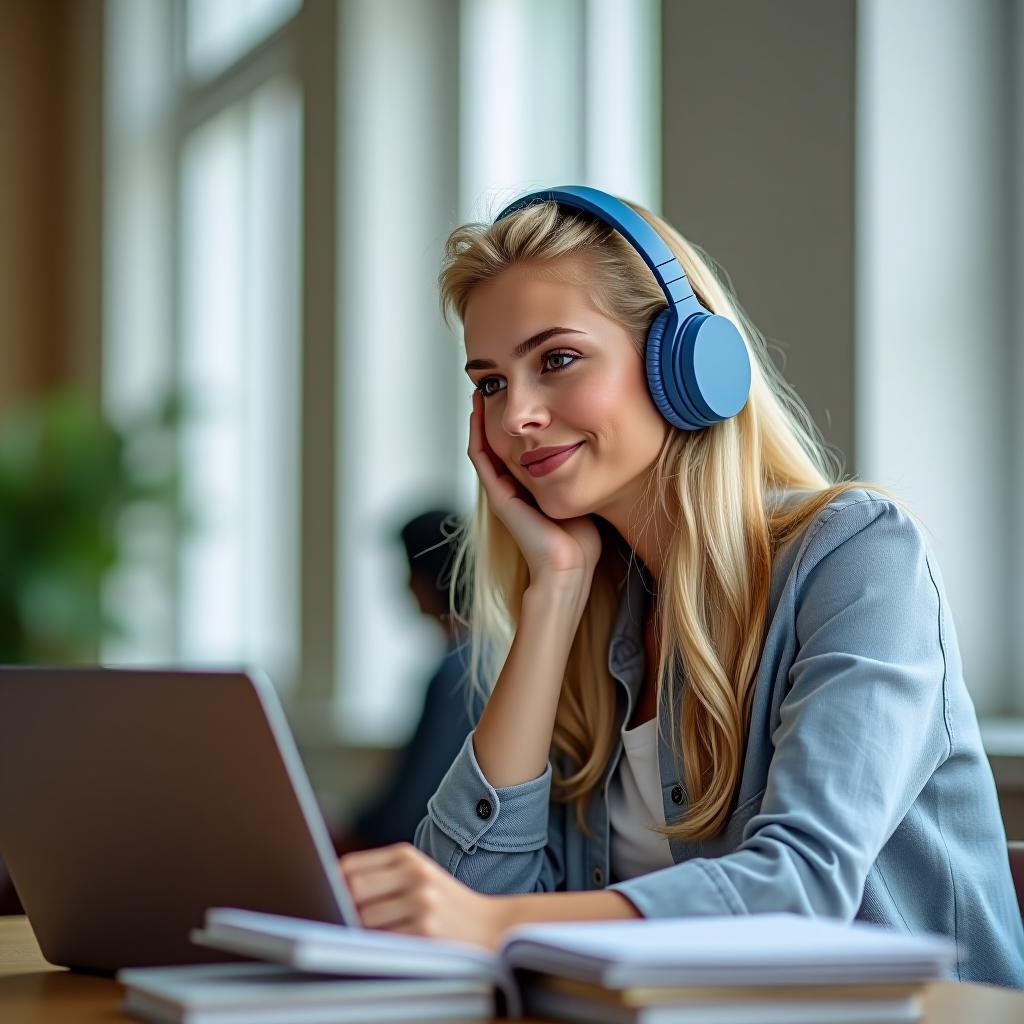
{"points": [[535, 908], [513, 738]]}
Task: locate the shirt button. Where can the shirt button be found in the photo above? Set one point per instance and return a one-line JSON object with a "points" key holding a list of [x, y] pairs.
{"points": [[677, 794], [483, 809], [624, 649], [598, 876]]}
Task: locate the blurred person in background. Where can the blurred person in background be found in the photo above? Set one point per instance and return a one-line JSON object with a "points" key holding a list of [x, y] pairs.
{"points": [[393, 812]]}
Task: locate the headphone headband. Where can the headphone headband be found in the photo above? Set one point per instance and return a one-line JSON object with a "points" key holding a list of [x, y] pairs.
{"points": [[624, 219], [698, 370]]}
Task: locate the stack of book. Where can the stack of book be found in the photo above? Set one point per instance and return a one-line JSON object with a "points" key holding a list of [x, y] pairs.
{"points": [[730, 970], [272, 994], [768, 969], [314, 973]]}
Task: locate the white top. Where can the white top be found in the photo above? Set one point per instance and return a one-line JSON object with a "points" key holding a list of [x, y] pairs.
{"points": [[634, 804]]}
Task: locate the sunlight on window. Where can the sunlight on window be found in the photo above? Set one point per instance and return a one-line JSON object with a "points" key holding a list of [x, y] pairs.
{"points": [[602, 61], [138, 359], [219, 31], [239, 365], [530, 114]]}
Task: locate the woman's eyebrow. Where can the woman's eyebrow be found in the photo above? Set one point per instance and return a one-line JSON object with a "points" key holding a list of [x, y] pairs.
{"points": [[522, 348]]}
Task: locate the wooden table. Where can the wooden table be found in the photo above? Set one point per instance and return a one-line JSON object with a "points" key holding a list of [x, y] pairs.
{"points": [[35, 992]]}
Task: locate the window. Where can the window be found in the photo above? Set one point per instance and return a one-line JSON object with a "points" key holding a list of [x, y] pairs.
{"points": [[203, 255], [219, 32], [449, 109], [238, 365], [280, 179], [939, 315]]}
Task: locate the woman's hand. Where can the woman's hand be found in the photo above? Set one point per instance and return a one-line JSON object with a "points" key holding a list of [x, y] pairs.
{"points": [[398, 888], [554, 550]]}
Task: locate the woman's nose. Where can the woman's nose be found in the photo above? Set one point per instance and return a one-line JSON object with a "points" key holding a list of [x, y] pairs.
{"points": [[523, 408]]}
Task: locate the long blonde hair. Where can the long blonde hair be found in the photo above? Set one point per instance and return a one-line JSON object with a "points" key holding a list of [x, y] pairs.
{"points": [[712, 485]]}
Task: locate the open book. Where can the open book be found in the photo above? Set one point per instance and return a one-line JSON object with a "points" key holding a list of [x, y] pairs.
{"points": [[773, 951]]}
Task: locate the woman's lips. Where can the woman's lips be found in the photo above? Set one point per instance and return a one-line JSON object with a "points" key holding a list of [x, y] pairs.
{"points": [[550, 464]]}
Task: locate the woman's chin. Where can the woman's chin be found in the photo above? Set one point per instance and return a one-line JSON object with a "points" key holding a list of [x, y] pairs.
{"points": [[559, 509]]}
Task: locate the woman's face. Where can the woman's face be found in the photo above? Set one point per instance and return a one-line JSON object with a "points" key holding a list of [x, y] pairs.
{"points": [[583, 383]]}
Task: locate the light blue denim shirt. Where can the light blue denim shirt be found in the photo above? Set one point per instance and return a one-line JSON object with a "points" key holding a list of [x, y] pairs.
{"points": [[865, 791]]}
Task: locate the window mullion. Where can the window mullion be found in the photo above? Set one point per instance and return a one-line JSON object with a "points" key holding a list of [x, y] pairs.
{"points": [[199, 101], [317, 69]]}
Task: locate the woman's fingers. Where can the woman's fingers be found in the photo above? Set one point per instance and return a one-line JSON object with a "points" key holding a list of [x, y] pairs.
{"points": [[363, 860], [377, 878], [480, 453], [498, 480], [382, 883], [400, 910], [400, 889], [410, 927], [546, 546]]}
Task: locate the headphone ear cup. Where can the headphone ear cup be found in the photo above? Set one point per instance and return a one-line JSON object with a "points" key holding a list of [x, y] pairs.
{"points": [[715, 367], [653, 357], [697, 375], [664, 380]]}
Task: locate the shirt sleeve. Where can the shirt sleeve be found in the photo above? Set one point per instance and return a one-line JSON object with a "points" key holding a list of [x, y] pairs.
{"points": [[863, 725], [497, 840]]}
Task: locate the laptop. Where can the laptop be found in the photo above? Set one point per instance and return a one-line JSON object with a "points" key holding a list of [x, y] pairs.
{"points": [[133, 799]]}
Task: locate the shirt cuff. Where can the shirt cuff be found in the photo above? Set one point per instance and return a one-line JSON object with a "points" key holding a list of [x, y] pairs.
{"points": [[694, 888], [507, 819]]}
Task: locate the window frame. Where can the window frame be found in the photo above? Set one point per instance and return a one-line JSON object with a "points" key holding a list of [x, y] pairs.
{"points": [[303, 47]]}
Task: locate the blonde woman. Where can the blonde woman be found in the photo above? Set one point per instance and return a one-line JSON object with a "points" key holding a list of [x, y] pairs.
{"points": [[724, 682]]}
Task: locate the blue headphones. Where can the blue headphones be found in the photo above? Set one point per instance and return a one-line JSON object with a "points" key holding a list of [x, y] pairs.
{"points": [[698, 370]]}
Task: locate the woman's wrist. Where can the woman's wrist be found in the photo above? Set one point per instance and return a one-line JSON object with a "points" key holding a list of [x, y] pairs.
{"points": [[553, 594], [538, 908], [512, 740]]}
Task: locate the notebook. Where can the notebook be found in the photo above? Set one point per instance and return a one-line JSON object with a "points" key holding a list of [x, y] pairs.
{"points": [[772, 951], [562, 999], [263, 993]]}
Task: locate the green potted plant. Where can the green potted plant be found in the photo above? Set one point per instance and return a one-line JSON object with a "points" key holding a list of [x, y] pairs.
{"points": [[67, 477]]}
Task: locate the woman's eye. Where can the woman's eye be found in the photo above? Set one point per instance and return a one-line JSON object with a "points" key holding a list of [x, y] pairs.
{"points": [[482, 386], [561, 355]]}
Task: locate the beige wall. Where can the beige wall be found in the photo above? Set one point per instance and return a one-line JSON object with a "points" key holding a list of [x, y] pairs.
{"points": [[1009, 775], [49, 189], [758, 169]]}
